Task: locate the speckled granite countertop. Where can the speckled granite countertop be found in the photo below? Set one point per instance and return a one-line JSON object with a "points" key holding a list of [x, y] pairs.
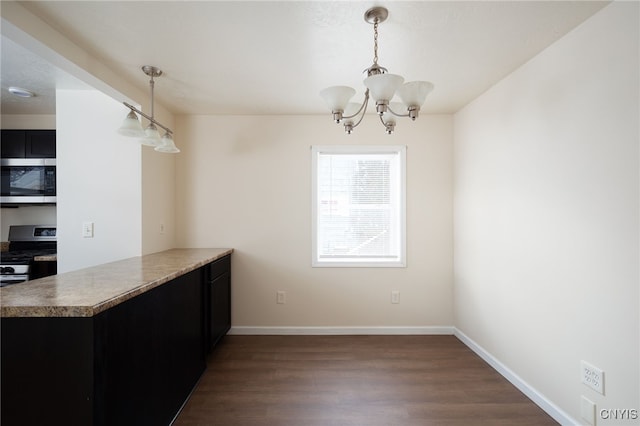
{"points": [[87, 292]]}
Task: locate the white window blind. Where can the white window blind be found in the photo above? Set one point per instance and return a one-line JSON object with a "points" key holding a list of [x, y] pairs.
{"points": [[358, 206]]}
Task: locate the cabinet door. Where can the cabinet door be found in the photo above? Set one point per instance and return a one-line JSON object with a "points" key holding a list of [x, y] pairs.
{"points": [[220, 307], [40, 144], [28, 144], [46, 371], [149, 354], [13, 143]]}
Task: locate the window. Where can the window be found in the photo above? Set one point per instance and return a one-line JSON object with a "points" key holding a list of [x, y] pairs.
{"points": [[358, 206]]}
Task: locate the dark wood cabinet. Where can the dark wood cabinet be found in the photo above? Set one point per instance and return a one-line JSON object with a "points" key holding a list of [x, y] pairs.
{"points": [[43, 268], [47, 371], [12, 144], [28, 144], [218, 305], [133, 364], [40, 144], [151, 354]]}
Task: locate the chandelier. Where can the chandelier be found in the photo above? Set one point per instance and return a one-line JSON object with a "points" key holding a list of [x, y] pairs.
{"points": [[149, 136], [381, 86]]}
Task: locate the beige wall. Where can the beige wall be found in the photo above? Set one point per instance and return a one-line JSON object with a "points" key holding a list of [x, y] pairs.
{"points": [[158, 196], [546, 216], [245, 183]]}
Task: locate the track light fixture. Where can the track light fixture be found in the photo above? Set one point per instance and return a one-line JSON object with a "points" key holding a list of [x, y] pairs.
{"points": [[150, 136], [381, 86]]}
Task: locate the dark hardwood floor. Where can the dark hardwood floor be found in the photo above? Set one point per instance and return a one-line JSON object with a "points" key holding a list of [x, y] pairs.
{"points": [[354, 381]]}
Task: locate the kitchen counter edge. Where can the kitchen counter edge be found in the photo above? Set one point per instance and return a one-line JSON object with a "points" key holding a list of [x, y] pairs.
{"points": [[149, 271]]}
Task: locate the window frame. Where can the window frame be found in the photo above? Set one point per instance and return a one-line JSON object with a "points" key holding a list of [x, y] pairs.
{"points": [[399, 261]]}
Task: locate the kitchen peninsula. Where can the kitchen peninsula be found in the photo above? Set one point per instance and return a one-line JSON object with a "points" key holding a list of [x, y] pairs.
{"points": [[120, 343]]}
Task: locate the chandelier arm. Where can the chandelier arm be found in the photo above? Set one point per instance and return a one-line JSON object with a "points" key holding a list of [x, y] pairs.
{"points": [[151, 119], [396, 114], [363, 108], [364, 103]]}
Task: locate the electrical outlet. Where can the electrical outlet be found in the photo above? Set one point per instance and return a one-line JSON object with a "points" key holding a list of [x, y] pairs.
{"points": [[281, 297], [592, 376], [87, 229], [395, 296], [588, 410]]}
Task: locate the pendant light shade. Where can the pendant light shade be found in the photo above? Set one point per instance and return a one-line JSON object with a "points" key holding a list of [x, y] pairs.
{"points": [[131, 126], [414, 93], [383, 86], [151, 136], [166, 145], [337, 97]]}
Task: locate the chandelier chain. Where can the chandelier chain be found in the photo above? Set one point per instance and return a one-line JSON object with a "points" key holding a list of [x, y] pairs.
{"points": [[375, 42]]}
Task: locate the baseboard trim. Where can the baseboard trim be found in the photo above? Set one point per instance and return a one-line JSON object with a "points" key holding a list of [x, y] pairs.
{"points": [[263, 331], [539, 399]]}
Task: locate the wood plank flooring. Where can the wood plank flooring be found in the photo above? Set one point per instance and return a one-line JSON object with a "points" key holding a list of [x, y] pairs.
{"points": [[353, 381]]}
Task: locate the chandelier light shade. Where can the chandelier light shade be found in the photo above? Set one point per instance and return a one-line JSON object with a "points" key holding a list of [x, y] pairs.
{"points": [[337, 97], [150, 136], [414, 93], [381, 86]]}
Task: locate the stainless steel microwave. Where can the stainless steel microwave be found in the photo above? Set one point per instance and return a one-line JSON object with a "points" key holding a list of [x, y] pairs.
{"points": [[28, 180]]}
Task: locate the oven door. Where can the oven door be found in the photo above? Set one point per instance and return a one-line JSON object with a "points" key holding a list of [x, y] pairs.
{"points": [[27, 180]]}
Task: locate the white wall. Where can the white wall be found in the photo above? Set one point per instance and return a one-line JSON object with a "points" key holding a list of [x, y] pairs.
{"points": [[546, 215], [99, 180], [26, 215], [245, 183]]}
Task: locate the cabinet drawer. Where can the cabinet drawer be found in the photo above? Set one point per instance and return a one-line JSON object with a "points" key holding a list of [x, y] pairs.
{"points": [[219, 267]]}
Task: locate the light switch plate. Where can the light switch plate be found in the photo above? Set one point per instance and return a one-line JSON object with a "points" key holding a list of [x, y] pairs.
{"points": [[87, 229]]}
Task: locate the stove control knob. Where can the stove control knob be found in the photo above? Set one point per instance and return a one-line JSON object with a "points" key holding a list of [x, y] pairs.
{"points": [[7, 270]]}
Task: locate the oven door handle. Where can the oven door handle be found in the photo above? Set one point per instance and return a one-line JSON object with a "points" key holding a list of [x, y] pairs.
{"points": [[13, 279]]}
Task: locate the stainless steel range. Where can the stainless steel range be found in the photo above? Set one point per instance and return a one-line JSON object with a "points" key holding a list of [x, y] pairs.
{"points": [[25, 243]]}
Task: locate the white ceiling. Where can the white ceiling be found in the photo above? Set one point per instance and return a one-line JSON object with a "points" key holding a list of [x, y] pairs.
{"points": [[273, 57]]}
